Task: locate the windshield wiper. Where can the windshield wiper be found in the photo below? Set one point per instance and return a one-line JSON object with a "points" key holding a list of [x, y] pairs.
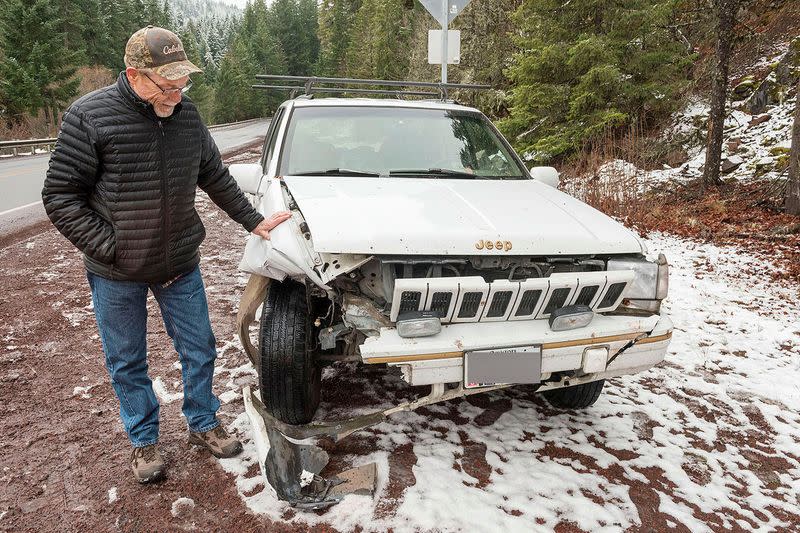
{"points": [[338, 172], [432, 171]]}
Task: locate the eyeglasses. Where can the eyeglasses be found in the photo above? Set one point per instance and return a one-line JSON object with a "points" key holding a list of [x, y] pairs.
{"points": [[169, 92]]}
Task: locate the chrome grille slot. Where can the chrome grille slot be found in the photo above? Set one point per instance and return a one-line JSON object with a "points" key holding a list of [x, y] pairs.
{"points": [[440, 303], [470, 304], [586, 295], [612, 294], [499, 304], [409, 295], [557, 300], [528, 303], [409, 301]]}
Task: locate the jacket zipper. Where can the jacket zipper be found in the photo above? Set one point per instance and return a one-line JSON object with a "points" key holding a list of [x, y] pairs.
{"points": [[165, 199]]}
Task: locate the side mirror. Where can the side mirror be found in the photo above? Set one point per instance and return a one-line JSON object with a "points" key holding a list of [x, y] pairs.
{"points": [[547, 175], [247, 176]]}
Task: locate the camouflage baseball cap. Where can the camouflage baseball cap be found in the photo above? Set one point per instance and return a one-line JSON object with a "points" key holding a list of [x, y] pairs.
{"points": [[159, 50]]}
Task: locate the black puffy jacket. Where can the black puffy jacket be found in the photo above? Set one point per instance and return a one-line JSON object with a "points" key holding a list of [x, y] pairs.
{"points": [[122, 181]]}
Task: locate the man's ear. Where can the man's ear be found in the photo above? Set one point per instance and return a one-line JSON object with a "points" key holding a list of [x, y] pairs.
{"points": [[132, 73]]}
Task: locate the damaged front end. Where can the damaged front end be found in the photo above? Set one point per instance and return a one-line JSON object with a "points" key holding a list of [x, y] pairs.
{"points": [[478, 299]]}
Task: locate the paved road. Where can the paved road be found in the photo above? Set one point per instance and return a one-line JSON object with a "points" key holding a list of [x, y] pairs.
{"points": [[21, 178]]}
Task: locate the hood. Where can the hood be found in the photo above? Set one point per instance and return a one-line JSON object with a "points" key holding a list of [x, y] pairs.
{"points": [[419, 216]]}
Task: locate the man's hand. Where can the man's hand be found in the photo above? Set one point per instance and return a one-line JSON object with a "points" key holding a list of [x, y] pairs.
{"points": [[266, 225]]}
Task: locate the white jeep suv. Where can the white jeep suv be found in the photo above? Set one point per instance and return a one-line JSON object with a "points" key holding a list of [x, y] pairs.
{"points": [[419, 240]]}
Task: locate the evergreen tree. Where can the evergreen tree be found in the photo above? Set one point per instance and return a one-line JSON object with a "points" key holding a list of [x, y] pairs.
{"points": [[255, 50], [36, 59], [202, 94], [586, 67], [335, 21], [293, 23], [379, 48]]}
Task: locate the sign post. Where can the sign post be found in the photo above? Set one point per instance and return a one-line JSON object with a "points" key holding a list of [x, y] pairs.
{"points": [[444, 40], [444, 11]]}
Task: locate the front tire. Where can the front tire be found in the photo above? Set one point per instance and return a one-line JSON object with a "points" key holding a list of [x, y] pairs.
{"points": [[290, 375], [577, 396]]}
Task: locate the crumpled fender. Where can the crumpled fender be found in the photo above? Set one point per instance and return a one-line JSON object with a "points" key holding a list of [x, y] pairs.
{"points": [[285, 254]]}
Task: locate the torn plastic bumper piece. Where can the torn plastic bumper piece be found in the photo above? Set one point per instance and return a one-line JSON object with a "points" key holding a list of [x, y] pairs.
{"points": [[285, 463], [292, 469]]}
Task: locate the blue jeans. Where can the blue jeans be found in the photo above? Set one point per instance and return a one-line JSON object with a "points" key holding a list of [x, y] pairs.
{"points": [[121, 311]]}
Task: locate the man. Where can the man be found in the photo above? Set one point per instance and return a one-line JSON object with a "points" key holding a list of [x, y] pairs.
{"points": [[121, 187]]}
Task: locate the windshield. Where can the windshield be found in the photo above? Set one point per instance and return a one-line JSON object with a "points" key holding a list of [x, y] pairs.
{"points": [[381, 141]]}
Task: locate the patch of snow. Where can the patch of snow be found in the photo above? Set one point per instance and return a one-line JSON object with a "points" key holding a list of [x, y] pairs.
{"points": [[164, 396], [83, 392], [112, 495], [181, 506], [228, 396]]}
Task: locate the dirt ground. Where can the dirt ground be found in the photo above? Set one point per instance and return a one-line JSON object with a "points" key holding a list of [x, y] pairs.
{"points": [[61, 442], [64, 454]]}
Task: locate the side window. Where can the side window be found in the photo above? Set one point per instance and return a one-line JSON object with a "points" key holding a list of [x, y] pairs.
{"points": [[272, 138]]}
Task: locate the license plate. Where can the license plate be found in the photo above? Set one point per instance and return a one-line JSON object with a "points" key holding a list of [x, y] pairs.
{"points": [[501, 366]]}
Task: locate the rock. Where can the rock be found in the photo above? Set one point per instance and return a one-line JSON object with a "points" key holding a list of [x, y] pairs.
{"points": [[775, 86], [764, 165], [733, 145], [779, 150], [759, 120], [729, 164], [744, 89]]}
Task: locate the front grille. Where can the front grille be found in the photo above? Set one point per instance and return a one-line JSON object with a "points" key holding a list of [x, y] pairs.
{"points": [[470, 299], [612, 294], [557, 300], [499, 304], [409, 301], [587, 295], [440, 303], [470, 304], [528, 303]]}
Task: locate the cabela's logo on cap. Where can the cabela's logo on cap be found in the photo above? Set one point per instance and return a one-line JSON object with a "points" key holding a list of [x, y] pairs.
{"points": [[174, 48]]}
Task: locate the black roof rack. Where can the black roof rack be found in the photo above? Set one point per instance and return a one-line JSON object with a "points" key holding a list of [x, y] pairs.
{"points": [[309, 88]]}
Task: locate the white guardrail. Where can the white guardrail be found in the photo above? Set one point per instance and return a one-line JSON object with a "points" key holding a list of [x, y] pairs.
{"points": [[13, 147]]}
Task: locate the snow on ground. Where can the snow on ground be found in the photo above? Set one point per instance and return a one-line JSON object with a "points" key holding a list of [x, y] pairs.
{"points": [[162, 392], [709, 439], [182, 506]]}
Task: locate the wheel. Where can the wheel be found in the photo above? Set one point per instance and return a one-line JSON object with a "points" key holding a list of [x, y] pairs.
{"points": [[290, 375], [577, 396]]}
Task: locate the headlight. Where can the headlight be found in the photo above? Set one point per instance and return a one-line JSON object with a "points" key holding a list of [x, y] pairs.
{"points": [[418, 324], [651, 280]]}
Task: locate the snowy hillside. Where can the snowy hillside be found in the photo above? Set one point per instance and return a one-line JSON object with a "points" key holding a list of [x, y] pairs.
{"points": [[757, 136], [186, 10]]}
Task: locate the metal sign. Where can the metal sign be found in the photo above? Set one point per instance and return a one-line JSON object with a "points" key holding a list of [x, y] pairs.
{"points": [[454, 7], [435, 47]]}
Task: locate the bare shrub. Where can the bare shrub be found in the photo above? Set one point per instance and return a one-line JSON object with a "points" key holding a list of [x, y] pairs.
{"points": [[610, 172], [93, 78]]}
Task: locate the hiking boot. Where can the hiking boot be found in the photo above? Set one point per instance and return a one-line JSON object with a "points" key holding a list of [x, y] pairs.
{"points": [[147, 464], [221, 444]]}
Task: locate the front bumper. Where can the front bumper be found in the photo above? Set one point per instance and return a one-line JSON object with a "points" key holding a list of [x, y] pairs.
{"points": [[439, 358]]}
